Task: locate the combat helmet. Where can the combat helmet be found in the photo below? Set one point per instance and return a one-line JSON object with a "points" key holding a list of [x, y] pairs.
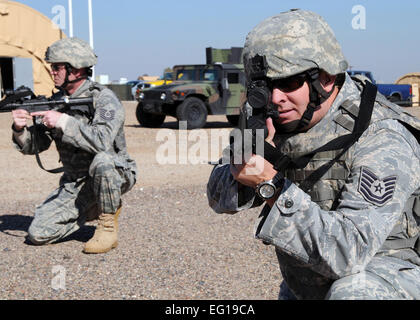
{"points": [[294, 42], [73, 51]]}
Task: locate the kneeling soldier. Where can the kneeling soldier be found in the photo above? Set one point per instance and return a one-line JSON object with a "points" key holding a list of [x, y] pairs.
{"points": [[92, 148]]}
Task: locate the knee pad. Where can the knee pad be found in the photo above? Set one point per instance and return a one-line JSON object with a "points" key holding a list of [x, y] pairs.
{"points": [[36, 237]]}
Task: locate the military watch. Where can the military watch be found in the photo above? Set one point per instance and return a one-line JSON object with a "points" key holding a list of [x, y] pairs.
{"points": [[267, 189]]}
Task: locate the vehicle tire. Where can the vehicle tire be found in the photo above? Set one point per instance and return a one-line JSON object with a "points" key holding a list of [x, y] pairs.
{"points": [[148, 120], [194, 111], [233, 119], [394, 98]]}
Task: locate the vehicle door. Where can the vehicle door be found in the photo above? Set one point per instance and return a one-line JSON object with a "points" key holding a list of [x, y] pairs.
{"points": [[211, 84], [236, 92]]}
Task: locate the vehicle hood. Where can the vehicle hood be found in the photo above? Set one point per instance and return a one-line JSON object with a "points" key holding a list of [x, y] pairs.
{"points": [[184, 85]]}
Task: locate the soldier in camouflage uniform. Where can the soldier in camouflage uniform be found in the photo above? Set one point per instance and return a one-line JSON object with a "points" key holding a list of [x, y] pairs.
{"points": [[353, 232], [92, 148]]}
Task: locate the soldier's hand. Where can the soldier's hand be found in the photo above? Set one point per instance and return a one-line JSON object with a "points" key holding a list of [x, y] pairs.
{"points": [[49, 118], [252, 172], [20, 118], [255, 170]]}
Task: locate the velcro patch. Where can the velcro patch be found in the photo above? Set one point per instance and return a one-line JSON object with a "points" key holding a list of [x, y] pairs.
{"points": [[374, 190], [107, 115]]}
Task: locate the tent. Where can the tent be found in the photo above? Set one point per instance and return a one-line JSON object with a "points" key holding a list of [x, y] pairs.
{"points": [[25, 35], [412, 78]]}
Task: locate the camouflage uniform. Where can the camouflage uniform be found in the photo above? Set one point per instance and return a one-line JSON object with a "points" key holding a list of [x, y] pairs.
{"points": [[97, 167], [341, 237]]}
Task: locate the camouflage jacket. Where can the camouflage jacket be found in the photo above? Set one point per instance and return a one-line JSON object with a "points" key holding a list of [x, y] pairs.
{"points": [[351, 218], [81, 138]]}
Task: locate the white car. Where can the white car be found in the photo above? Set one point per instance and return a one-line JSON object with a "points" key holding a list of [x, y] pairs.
{"points": [[139, 87], [134, 84]]}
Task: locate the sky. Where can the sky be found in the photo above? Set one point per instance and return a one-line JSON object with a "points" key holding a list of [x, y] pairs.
{"points": [[136, 37]]}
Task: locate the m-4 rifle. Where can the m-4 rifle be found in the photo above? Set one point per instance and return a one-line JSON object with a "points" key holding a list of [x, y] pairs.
{"points": [[24, 98]]}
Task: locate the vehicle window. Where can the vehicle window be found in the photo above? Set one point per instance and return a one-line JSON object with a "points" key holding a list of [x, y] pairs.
{"points": [[168, 76], [132, 83], [233, 77], [208, 75], [185, 74]]}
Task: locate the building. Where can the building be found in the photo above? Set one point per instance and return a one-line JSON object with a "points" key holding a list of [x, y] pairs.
{"points": [[25, 35], [412, 78]]}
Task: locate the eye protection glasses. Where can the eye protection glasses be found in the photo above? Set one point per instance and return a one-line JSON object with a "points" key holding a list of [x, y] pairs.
{"points": [[289, 84], [57, 67]]}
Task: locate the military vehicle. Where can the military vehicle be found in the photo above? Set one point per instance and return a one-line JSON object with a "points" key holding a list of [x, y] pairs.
{"points": [[215, 88]]}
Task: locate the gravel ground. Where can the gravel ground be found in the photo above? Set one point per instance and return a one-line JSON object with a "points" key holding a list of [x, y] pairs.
{"points": [[171, 244], [169, 249]]}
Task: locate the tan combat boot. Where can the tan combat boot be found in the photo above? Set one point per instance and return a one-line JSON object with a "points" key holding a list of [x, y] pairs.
{"points": [[106, 234]]}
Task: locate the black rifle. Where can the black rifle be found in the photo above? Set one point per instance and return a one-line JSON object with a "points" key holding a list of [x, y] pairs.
{"points": [[254, 113], [24, 98]]}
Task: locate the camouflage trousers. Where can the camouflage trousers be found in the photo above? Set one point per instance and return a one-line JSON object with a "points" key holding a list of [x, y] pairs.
{"points": [[69, 206], [384, 278]]}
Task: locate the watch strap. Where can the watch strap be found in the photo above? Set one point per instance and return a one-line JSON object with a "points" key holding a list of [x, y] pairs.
{"points": [[278, 180]]}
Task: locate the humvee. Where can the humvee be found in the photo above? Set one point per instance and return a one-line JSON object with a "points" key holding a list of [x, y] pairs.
{"points": [[214, 88]]}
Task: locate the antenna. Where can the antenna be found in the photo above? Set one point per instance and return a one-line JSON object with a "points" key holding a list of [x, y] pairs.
{"points": [[91, 33], [70, 19]]}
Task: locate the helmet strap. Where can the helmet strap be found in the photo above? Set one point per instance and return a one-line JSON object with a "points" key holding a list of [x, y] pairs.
{"points": [[317, 95], [69, 69]]}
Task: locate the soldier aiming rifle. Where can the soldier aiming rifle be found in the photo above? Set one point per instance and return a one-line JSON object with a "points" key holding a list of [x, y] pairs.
{"points": [[86, 122], [340, 177]]}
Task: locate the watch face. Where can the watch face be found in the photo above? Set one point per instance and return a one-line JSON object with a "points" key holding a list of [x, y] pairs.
{"points": [[266, 191]]}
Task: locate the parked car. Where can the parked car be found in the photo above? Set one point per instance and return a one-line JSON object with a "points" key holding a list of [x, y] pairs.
{"points": [[199, 90], [165, 79], [140, 87], [400, 94], [134, 84]]}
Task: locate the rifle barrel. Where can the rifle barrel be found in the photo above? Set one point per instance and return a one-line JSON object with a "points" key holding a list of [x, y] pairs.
{"points": [[49, 103]]}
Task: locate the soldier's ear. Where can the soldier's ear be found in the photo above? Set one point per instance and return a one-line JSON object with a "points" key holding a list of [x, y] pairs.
{"points": [[327, 81], [79, 72]]}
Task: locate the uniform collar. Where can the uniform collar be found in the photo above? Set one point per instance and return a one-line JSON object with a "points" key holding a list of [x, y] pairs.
{"points": [[79, 91]]}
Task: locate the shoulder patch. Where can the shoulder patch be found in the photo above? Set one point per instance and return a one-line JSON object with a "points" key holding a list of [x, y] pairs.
{"points": [[107, 115], [374, 190]]}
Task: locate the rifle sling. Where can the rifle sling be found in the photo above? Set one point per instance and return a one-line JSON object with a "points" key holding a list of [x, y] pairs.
{"points": [[87, 109], [38, 159], [56, 170]]}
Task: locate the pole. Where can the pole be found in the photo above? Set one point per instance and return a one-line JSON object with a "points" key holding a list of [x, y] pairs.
{"points": [[91, 32], [70, 18]]}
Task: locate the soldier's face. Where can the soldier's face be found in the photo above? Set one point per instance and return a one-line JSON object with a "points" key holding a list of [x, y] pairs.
{"points": [[290, 104], [291, 96], [58, 71]]}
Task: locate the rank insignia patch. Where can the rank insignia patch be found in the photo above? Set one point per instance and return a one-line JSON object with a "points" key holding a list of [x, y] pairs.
{"points": [[107, 115], [374, 190]]}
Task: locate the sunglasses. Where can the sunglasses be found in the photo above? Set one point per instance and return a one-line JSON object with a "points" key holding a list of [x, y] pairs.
{"points": [[57, 67], [288, 84]]}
